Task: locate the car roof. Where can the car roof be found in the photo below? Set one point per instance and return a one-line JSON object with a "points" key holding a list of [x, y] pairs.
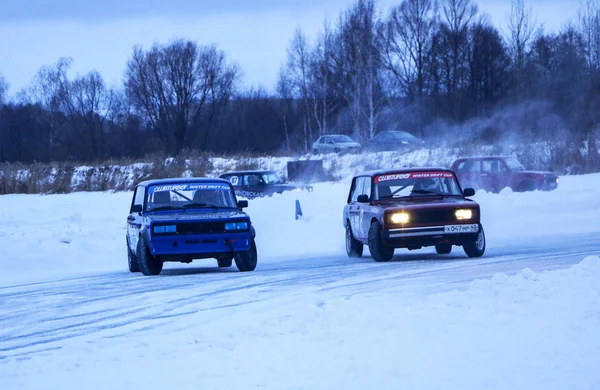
{"points": [[378, 172], [177, 180], [247, 172]]}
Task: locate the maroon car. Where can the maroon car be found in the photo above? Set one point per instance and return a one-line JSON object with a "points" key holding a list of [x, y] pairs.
{"points": [[411, 208], [493, 174]]}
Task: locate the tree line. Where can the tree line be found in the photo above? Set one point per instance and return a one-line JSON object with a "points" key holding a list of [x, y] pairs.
{"points": [[425, 66]]}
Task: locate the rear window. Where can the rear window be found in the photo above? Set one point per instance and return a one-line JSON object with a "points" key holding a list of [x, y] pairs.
{"points": [[398, 185]]}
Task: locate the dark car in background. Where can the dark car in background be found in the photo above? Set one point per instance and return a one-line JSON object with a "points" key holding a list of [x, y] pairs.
{"points": [[495, 173], [260, 183], [411, 208], [393, 141]]}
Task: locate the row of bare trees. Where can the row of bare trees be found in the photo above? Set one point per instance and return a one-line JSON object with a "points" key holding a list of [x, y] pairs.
{"points": [[411, 67]]}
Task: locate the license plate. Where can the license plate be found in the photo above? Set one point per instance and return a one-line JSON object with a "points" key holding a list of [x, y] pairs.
{"points": [[474, 228]]}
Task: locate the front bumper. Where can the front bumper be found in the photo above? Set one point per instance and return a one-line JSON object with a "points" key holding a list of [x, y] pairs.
{"points": [[415, 237], [200, 245]]}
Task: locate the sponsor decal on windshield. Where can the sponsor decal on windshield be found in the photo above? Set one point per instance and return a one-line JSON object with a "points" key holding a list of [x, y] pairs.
{"points": [[413, 175], [190, 187]]}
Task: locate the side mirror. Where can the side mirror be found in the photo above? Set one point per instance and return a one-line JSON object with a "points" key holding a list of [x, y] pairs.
{"points": [[468, 192], [242, 204], [363, 198], [136, 208]]}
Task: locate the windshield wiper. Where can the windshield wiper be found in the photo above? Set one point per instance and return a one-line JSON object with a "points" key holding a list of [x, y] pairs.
{"points": [[200, 206], [426, 192], [164, 208], [395, 197]]}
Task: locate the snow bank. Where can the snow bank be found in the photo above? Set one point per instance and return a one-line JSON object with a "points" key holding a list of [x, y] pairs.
{"points": [[527, 331]]}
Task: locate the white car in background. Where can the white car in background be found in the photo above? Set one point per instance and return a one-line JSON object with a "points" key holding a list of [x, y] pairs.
{"points": [[335, 143]]}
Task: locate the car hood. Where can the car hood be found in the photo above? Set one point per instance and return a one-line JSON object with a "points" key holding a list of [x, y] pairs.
{"points": [[429, 202], [185, 216]]}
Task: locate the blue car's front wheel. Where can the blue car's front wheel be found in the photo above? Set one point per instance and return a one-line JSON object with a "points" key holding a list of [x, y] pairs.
{"points": [[247, 260], [148, 263]]}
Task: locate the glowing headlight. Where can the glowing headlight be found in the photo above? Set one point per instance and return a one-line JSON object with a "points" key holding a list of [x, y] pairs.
{"points": [[464, 214], [298, 189], [399, 218], [557, 180]]}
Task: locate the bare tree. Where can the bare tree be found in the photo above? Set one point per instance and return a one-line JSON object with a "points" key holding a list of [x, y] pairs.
{"points": [[3, 89], [589, 27], [298, 73], [179, 87], [88, 104], [522, 32], [452, 52], [361, 67], [409, 33], [323, 74], [285, 98]]}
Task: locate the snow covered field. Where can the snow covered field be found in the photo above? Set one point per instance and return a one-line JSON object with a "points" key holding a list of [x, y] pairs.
{"points": [[526, 315]]}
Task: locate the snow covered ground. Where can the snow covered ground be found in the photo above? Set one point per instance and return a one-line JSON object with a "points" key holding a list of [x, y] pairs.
{"points": [[526, 315]]}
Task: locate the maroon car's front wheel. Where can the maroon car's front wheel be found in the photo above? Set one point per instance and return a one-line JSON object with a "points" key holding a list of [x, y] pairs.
{"points": [[476, 248], [377, 247]]}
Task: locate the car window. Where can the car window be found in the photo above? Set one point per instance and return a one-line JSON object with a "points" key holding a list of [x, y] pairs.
{"points": [[324, 140], [366, 187], [492, 166], [514, 164], [138, 197], [252, 180], [356, 189], [397, 185], [186, 194], [271, 178]]}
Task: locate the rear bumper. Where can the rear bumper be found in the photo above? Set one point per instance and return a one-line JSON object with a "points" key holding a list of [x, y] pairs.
{"points": [[200, 245], [415, 237]]}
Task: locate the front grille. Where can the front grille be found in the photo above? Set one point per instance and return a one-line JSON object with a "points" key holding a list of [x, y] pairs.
{"points": [[430, 216], [184, 228]]}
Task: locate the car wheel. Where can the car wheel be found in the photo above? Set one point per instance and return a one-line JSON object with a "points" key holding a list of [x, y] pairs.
{"points": [[246, 261], [526, 186], [378, 249], [476, 248], [315, 151], [224, 263], [443, 249], [149, 264], [336, 150], [132, 261], [354, 248]]}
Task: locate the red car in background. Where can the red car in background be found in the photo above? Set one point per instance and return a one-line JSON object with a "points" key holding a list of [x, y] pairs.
{"points": [[495, 173]]}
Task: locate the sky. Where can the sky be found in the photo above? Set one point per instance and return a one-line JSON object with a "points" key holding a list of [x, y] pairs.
{"points": [[254, 33]]}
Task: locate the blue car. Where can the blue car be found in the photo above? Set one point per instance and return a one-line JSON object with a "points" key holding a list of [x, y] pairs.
{"points": [[181, 220]]}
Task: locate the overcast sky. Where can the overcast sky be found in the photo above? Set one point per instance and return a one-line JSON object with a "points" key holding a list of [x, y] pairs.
{"points": [[254, 33]]}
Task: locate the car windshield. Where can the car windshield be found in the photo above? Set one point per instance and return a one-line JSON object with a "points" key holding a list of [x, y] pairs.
{"points": [[398, 185], [514, 164], [341, 138], [271, 178], [190, 195], [402, 135]]}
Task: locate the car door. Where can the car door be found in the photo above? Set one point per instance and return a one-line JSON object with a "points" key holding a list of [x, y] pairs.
{"points": [[365, 221], [467, 172], [354, 207], [493, 174], [253, 185], [134, 219]]}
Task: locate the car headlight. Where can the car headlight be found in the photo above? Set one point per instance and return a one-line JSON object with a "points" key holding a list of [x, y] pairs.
{"points": [[557, 180], [165, 229], [298, 189], [399, 218], [229, 226], [463, 214]]}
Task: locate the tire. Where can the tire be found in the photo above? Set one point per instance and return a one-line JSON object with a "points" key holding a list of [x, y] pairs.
{"points": [[315, 151], [246, 261], [132, 261], [354, 248], [526, 186], [149, 264], [336, 150], [379, 251], [476, 248], [224, 263], [443, 249]]}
